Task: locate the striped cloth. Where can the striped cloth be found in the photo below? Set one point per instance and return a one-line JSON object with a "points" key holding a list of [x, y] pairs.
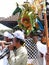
{"points": [[31, 48]]}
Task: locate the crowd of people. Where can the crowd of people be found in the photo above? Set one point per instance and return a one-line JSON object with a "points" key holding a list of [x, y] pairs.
{"points": [[19, 49]]}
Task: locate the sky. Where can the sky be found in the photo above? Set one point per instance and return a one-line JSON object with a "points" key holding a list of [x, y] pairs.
{"points": [[8, 6]]}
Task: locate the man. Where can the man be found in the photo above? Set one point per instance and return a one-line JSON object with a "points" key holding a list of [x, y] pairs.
{"points": [[42, 48], [32, 50], [19, 56], [8, 36], [7, 40]]}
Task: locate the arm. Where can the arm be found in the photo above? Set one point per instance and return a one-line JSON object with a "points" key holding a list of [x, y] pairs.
{"points": [[4, 52], [2, 44]]}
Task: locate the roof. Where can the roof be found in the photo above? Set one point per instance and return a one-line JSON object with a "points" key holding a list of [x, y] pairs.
{"points": [[11, 18]]}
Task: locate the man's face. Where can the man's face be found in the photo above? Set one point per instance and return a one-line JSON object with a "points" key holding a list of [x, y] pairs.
{"points": [[15, 42], [35, 38]]}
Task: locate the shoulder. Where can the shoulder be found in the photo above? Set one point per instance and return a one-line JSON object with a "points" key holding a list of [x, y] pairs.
{"points": [[29, 40], [23, 50]]}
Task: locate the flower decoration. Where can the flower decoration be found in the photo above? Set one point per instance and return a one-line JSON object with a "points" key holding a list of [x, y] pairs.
{"points": [[26, 22], [28, 18]]}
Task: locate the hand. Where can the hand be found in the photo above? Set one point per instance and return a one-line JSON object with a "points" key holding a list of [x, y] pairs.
{"points": [[0, 47], [11, 47], [47, 56], [2, 44]]}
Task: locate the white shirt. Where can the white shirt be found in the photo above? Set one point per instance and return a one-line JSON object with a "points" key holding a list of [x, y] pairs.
{"points": [[20, 58], [43, 49], [4, 61]]}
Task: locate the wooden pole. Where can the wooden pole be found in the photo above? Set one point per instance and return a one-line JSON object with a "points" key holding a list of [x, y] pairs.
{"points": [[47, 41], [46, 29]]}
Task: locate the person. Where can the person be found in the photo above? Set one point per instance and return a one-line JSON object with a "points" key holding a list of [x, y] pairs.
{"points": [[42, 48], [32, 50], [7, 39], [47, 57], [19, 56], [8, 36]]}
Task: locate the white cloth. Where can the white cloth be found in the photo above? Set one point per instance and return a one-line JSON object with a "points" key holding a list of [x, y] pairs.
{"points": [[32, 62], [19, 34], [4, 61], [20, 58], [43, 49], [7, 34], [29, 61]]}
